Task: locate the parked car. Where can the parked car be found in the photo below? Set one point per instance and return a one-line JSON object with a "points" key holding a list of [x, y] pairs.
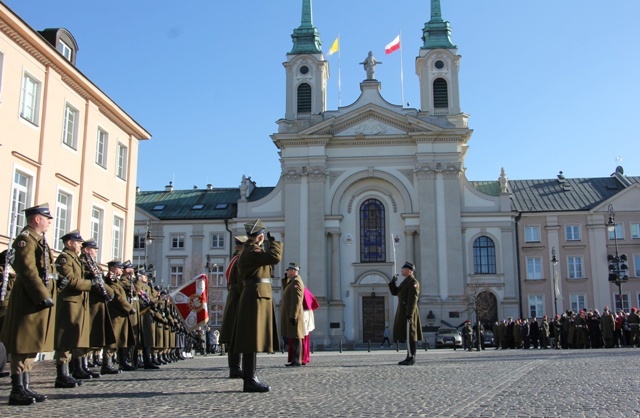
{"points": [[448, 337], [488, 338]]}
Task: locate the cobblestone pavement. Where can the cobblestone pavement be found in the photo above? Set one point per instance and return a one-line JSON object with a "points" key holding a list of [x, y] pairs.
{"points": [[442, 383]]}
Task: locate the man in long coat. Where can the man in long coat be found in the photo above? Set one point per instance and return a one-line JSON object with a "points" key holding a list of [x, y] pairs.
{"points": [[146, 313], [120, 310], [408, 293], [72, 316], [255, 329], [30, 321], [292, 315]]}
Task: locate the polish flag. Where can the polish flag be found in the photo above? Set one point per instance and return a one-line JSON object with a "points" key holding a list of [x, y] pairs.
{"points": [[191, 302], [393, 45]]}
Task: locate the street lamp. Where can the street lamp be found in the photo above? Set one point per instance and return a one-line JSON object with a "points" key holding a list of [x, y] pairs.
{"points": [[556, 289], [618, 267], [147, 241]]}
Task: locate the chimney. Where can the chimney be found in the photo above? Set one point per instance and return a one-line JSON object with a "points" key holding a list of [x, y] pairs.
{"points": [[169, 187], [209, 186]]}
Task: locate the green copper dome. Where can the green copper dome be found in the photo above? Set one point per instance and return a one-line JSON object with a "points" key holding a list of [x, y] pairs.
{"points": [[436, 32], [306, 38]]}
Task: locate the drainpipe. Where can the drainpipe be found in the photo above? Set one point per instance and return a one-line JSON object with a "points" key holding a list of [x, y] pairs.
{"points": [[518, 264]]}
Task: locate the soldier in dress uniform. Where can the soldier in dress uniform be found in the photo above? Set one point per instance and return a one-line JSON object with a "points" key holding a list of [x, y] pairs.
{"points": [[292, 315], [234, 287], [30, 321], [11, 278], [408, 293], [147, 315], [120, 311], [128, 281], [72, 315], [255, 328]]}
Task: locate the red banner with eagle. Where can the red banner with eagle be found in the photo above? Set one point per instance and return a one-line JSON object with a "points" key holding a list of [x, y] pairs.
{"points": [[191, 302]]}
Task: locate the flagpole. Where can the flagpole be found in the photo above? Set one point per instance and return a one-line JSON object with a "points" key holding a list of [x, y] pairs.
{"points": [[401, 71], [339, 90]]}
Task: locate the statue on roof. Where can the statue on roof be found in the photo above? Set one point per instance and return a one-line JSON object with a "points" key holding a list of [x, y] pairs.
{"points": [[370, 65]]}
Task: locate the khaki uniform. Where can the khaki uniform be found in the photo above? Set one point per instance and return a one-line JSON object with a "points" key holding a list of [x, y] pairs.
{"points": [[408, 293], [119, 309], [292, 297], [129, 286], [634, 327], [234, 286], [101, 332]]}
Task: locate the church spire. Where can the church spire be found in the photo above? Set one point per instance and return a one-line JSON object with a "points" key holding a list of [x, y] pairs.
{"points": [[306, 39], [436, 32]]}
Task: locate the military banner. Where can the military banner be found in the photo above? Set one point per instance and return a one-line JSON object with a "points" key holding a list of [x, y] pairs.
{"points": [[191, 302]]}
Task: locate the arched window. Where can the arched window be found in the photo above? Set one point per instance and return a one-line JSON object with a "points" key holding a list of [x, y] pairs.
{"points": [[484, 256], [304, 98], [440, 93], [372, 232]]}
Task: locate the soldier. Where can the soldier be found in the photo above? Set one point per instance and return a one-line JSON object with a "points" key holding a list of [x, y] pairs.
{"points": [[30, 321], [467, 334], [72, 315], [634, 328], [11, 278], [255, 328], [608, 328], [147, 315], [128, 281], [292, 315], [120, 311], [408, 293], [544, 332], [234, 286]]}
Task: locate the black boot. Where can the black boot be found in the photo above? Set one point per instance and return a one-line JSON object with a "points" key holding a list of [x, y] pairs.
{"points": [[405, 361], [235, 372], [122, 360], [18, 395], [78, 371], [251, 382], [146, 355], [85, 366], [63, 380], [155, 358], [107, 368], [26, 379]]}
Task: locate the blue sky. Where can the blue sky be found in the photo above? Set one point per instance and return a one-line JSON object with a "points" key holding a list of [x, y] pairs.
{"points": [[549, 85]]}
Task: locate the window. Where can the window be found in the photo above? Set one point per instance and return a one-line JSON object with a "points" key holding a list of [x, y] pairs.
{"points": [[177, 241], [617, 233], [138, 242], [215, 314], [217, 240], [177, 275], [30, 99], [532, 233], [21, 195], [536, 306], [534, 268], [158, 207], [63, 217], [70, 129], [102, 141], [65, 50], [625, 302], [372, 232], [440, 93], [484, 256], [96, 227], [121, 163], [578, 301], [116, 242], [635, 231], [304, 98], [217, 276], [572, 232], [574, 265], [636, 265]]}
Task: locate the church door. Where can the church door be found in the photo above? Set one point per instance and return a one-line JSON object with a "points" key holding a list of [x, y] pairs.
{"points": [[372, 318]]}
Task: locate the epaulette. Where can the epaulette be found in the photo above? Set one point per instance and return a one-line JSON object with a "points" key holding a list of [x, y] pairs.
{"points": [[25, 233]]}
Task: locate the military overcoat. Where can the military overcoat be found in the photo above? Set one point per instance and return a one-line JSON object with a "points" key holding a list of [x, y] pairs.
{"points": [[291, 304], [101, 334], [255, 328], [28, 327], [408, 293], [119, 309], [231, 305]]}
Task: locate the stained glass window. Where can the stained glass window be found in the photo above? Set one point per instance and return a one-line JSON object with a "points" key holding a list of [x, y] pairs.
{"points": [[372, 232]]}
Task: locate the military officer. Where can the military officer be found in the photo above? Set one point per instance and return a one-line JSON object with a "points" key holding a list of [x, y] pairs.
{"points": [[408, 293], [255, 328], [292, 315], [128, 281], [11, 278], [30, 321], [120, 311], [234, 286], [147, 315]]}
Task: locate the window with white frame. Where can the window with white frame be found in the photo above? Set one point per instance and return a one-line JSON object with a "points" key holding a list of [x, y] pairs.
{"points": [[116, 240], [577, 301], [574, 266], [20, 197], [217, 240], [534, 268], [532, 233], [572, 232], [636, 266], [177, 241], [70, 128], [617, 233], [215, 314], [64, 49], [96, 226], [177, 276], [102, 142], [30, 99], [536, 306], [625, 302], [62, 219], [121, 162], [635, 231], [217, 276]]}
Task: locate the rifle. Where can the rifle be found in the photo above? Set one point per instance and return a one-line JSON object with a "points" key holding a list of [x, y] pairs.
{"points": [[97, 274], [11, 251]]}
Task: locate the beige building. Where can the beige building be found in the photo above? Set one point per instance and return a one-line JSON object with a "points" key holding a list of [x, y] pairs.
{"points": [[64, 142]]}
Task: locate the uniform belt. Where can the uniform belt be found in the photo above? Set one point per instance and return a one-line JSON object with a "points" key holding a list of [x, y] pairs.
{"points": [[256, 281], [134, 299]]}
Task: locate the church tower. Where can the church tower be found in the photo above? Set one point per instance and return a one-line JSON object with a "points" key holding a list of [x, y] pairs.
{"points": [[307, 71], [437, 68]]}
